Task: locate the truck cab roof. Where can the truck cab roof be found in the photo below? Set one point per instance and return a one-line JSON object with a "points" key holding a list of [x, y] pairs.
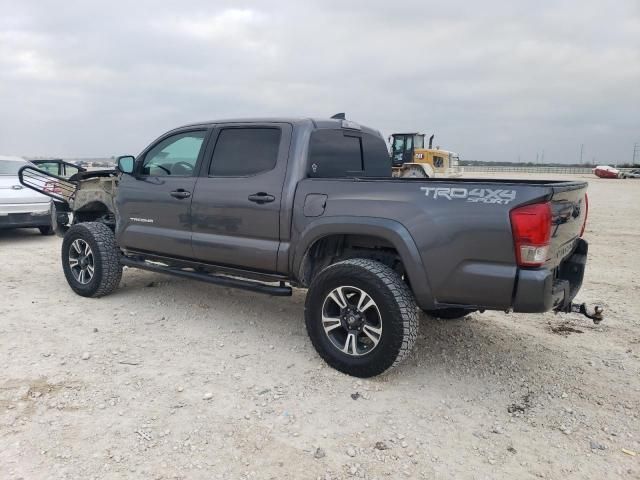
{"points": [[315, 123]]}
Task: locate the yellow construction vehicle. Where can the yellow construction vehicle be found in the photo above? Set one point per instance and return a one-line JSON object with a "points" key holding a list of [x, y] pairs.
{"points": [[409, 158]]}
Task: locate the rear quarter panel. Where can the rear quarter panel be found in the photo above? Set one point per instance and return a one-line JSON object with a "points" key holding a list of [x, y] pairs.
{"points": [[465, 244]]}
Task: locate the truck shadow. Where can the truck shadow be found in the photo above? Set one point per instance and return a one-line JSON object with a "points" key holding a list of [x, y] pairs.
{"points": [[481, 348], [495, 354], [516, 361]]}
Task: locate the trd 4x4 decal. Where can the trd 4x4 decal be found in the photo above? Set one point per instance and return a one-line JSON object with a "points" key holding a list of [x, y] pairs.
{"points": [[474, 195]]}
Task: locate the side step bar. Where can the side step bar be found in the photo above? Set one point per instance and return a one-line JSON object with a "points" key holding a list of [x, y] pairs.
{"points": [[278, 291]]}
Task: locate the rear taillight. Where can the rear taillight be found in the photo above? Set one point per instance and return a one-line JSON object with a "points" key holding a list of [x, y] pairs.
{"points": [[531, 227], [586, 213]]}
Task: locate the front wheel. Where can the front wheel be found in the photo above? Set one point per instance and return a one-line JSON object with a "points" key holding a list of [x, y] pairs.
{"points": [[91, 259], [48, 230], [361, 317]]}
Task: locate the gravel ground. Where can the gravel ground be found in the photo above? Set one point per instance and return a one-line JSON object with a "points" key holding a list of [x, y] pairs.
{"points": [[172, 379]]}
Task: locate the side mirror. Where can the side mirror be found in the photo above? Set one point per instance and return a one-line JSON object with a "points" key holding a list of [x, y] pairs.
{"points": [[126, 164]]}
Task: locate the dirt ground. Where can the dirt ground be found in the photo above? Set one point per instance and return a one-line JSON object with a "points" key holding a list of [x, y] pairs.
{"points": [[169, 379]]}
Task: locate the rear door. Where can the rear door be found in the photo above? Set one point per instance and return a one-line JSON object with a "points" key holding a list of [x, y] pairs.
{"points": [[236, 203], [154, 203]]}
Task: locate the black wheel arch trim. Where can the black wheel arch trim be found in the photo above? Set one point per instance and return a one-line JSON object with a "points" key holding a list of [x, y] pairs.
{"points": [[390, 230]]}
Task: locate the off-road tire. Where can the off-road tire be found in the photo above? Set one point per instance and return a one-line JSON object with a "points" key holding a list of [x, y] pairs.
{"points": [[449, 313], [46, 230], [106, 256], [398, 312]]}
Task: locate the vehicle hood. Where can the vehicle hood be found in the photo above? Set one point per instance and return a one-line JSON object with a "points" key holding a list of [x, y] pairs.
{"points": [[11, 191]]}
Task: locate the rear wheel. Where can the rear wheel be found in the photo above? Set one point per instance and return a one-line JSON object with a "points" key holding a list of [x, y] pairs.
{"points": [[361, 317], [91, 259], [48, 230]]}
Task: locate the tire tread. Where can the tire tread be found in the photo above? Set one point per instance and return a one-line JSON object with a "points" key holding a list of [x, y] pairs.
{"points": [[108, 253]]}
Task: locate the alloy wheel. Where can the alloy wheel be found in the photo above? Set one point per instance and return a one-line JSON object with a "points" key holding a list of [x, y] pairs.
{"points": [[81, 261], [351, 320]]}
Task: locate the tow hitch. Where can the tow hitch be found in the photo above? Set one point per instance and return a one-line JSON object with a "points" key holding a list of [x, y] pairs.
{"points": [[596, 315]]}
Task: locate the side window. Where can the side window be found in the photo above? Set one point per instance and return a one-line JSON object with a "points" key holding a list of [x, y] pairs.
{"points": [[70, 170], [176, 155], [409, 145], [332, 154], [376, 156], [241, 152]]}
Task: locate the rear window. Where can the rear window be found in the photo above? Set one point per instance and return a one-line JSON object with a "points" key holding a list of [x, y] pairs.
{"points": [[340, 153], [377, 162], [241, 152], [9, 167], [334, 154]]}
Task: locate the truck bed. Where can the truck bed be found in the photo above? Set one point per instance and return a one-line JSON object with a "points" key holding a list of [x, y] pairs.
{"points": [[461, 228]]}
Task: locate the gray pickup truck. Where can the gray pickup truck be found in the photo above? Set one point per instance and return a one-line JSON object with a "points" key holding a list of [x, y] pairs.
{"points": [[271, 204]]}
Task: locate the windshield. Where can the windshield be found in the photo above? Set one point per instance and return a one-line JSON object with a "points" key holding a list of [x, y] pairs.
{"points": [[9, 167]]}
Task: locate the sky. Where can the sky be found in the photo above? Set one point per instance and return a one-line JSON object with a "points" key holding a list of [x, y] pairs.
{"points": [[494, 80]]}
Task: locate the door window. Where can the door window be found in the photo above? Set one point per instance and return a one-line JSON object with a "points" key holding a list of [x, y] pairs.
{"points": [[241, 152], [175, 156]]}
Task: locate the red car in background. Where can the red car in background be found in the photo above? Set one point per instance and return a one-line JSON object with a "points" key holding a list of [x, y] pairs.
{"points": [[604, 171]]}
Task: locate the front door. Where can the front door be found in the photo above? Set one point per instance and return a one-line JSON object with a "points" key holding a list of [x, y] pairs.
{"points": [[154, 203], [236, 203]]}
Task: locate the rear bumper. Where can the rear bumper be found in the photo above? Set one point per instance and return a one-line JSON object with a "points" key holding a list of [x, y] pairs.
{"points": [[543, 290], [25, 215]]}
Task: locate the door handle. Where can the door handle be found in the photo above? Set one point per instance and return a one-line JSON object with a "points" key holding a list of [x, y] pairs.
{"points": [[180, 193], [261, 197]]}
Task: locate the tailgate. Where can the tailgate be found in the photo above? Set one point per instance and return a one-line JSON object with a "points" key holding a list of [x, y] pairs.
{"points": [[569, 211]]}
